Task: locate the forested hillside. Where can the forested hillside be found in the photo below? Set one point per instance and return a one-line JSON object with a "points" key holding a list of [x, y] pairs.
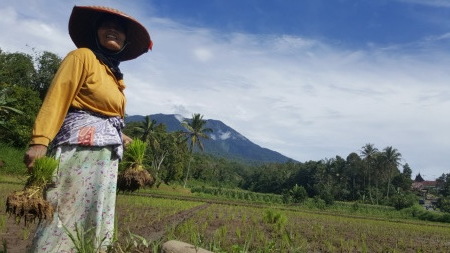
{"points": [[223, 141]]}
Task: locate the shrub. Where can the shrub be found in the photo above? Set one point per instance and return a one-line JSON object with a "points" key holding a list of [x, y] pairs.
{"points": [[419, 212], [402, 200], [444, 204], [355, 206], [327, 197], [297, 194], [319, 203], [11, 160]]}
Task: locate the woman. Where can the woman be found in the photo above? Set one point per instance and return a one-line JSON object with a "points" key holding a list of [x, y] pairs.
{"points": [[82, 117]]}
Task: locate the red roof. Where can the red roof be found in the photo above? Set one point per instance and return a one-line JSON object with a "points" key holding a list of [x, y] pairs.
{"points": [[424, 184]]}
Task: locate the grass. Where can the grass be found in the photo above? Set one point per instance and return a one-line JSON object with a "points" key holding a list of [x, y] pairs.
{"points": [[237, 228], [13, 179], [42, 172], [12, 159], [134, 154], [157, 203], [226, 225], [268, 230], [173, 190]]}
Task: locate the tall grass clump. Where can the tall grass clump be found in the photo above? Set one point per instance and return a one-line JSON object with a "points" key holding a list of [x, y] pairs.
{"points": [[29, 203], [134, 176], [85, 241], [277, 219]]}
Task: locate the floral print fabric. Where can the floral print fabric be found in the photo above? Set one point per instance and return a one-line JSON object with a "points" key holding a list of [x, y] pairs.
{"points": [[84, 195]]}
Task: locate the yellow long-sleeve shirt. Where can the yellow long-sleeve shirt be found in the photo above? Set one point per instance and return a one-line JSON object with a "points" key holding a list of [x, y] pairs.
{"points": [[82, 82]]}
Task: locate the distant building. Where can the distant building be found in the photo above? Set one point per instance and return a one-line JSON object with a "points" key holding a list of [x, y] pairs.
{"points": [[419, 184], [424, 185], [419, 178]]}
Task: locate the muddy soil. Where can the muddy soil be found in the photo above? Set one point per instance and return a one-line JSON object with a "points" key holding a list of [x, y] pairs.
{"points": [[16, 236]]}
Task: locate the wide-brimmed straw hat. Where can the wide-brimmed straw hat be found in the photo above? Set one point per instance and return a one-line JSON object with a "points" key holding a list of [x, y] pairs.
{"points": [[82, 30]]}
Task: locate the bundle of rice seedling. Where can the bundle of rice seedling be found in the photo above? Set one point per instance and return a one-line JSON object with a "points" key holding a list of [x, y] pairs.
{"points": [[135, 176], [30, 203]]}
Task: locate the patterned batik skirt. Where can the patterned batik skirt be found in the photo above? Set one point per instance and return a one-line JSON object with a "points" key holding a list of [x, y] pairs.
{"points": [[84, 197]]}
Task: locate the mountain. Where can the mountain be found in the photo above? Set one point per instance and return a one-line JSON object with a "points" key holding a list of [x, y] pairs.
{"points": [[224, 141]]}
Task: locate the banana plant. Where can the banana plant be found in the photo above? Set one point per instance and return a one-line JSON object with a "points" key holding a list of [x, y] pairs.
{"points": [[5, 107]]}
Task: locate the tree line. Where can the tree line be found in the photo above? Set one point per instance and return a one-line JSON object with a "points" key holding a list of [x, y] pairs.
{"points": [[24, 80], [368, 175]]}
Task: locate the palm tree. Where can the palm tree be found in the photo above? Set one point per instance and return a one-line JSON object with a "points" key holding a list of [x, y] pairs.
{"points": [[195, 132], [368, 153], [146, 129], [392, 159]]}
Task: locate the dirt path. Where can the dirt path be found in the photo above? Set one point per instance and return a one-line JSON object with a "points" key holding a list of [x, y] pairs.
{"points": [[156, 231]]}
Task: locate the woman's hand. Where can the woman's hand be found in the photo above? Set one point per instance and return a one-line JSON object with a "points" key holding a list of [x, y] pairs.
{"points": [[126, 140], [34, 152]]}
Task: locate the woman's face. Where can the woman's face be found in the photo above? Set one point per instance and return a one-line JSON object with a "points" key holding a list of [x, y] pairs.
{"points": [[111, 35]]}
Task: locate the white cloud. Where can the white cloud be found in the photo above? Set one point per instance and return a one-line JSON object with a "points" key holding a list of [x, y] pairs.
{"points": [[306, 100], [25, 34], [437, 3], [203, 54], [225, 136], [179, 117], [298, 96]]}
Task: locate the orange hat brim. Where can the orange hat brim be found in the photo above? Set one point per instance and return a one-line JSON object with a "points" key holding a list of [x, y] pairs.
{"points": [[82, 24]]}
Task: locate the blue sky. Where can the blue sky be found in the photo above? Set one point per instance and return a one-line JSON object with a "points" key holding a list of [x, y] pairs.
{"points": [[343, 22], [310, 79]]}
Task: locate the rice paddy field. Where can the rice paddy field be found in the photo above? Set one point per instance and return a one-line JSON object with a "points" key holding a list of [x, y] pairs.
{"points": [[146, 220]]}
